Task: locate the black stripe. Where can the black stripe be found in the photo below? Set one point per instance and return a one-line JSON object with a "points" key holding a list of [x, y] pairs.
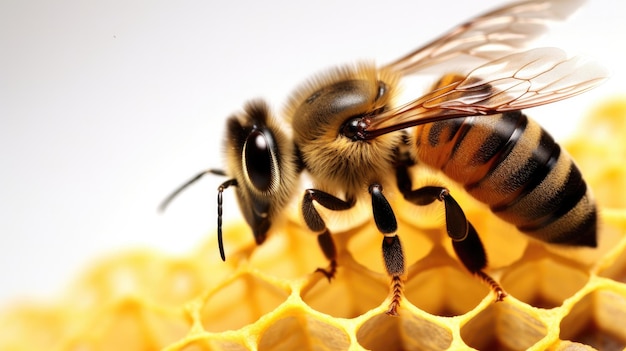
{"points": [[543, 159], [438, 128], [435, 133], [563, 201], [496, 143], [462, 127], [583, 233], [500, 155]]}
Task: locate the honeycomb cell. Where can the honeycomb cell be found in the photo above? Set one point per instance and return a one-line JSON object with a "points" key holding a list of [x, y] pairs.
{"points": [[301, 331], [457, 290], [598, 319], [544, 282], [506, 325], [358, 289], [239, 302], [409, 331]]}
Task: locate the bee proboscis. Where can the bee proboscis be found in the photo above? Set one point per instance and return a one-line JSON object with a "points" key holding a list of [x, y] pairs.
{"points": [[347, 129]]}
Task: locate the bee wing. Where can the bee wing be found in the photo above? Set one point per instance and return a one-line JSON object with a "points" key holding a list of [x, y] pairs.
{"points": [[514, 82], [488, 37]]}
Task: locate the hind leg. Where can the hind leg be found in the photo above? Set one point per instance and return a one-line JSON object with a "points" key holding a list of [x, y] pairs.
{"points": [[465, 239]]}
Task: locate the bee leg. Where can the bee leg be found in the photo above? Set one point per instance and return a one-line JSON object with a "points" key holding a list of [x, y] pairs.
{"points": [[472, 253], [315, 222], [393, 254], [465, 240], [327, 244]]}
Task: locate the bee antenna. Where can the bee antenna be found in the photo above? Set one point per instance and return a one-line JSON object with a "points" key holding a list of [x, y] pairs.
{"points": [[175, 193], [220, 190]]}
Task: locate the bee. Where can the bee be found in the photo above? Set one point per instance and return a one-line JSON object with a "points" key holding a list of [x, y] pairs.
{"points": [[347, 130]]}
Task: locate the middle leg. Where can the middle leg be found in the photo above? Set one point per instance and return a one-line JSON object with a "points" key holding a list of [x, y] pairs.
{"points": [[393, 255]]}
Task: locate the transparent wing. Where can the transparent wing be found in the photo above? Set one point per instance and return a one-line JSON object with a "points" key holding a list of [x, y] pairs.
{"points": [[497, 33], [514, 82]]}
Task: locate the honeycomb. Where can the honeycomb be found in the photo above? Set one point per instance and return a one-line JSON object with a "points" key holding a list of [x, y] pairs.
{"points": [[269, 298]]}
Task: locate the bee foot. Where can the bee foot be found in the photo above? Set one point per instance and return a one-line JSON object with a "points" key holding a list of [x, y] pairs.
{"points": [[397, 288], [493, 285], [329, 272]]}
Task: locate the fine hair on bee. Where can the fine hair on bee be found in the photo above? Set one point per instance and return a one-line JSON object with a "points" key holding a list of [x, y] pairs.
{"points": [[347, 131]]}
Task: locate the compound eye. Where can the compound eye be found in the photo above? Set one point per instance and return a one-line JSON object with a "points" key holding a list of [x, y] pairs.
{"points": [[353, 128], [258, 159]]}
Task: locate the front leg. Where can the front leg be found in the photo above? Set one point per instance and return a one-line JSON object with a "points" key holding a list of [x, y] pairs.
{"points": [[315, 222], [393, 254], [465, 239]]}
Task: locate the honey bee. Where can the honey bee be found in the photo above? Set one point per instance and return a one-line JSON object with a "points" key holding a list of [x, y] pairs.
{"points": [[348, 132]]}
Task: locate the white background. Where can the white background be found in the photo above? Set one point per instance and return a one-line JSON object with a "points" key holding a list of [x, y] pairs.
{"points": [[105, 107]]}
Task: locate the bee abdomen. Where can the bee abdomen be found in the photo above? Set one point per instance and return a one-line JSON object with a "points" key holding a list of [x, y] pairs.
{"points": [[513, 165]]}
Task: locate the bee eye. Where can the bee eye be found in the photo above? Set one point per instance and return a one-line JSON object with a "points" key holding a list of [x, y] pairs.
{"points": [[353, 128], [258, 159]]}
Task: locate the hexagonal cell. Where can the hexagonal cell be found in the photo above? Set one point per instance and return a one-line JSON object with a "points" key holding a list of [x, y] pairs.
{"points": [[440, 285], [302, 331], [506, 325], [598, 319], [445, 291], [405, 332], [354, 291], [241, 302], [543, 283]]}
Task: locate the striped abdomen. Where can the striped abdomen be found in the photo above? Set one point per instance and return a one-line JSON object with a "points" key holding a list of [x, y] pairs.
{"points": [[513, 165]]}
